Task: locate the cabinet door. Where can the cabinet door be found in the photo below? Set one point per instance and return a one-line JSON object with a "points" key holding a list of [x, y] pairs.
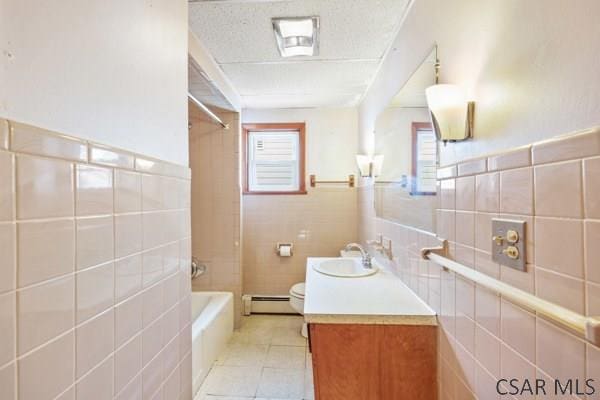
{"points": [[408, 362], [346, 367]]}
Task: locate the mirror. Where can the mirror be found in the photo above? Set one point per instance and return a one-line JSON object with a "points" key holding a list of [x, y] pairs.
{"points": [[405, 190]]}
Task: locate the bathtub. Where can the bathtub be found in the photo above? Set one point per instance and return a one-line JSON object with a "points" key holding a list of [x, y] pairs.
{"points": [[212, 327]]}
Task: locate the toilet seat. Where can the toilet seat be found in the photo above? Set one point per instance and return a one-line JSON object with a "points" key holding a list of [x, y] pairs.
{"points": [[298, 290]]}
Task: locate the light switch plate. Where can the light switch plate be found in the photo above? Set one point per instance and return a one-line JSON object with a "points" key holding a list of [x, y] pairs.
{"points": [[501, 245]]}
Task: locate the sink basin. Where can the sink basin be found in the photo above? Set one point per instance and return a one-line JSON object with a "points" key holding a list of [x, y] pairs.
{"points": [[344, 268]]}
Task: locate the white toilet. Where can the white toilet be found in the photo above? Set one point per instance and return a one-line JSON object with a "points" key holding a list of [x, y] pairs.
{"points": [[297, 303]]}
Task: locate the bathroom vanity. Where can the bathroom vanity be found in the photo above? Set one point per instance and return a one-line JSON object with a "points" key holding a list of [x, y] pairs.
{"points": [[371, 337]]}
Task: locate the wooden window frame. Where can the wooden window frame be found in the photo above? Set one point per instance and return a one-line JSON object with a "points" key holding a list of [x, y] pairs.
{"points": [[416, 126], [275, 127]]}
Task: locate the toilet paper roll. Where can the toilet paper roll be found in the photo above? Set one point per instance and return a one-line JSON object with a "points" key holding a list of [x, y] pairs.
{"points": [[285, 251]]}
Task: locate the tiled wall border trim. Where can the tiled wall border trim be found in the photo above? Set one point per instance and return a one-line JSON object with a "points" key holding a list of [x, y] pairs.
{"points": [[28, 139], [574, 145]]}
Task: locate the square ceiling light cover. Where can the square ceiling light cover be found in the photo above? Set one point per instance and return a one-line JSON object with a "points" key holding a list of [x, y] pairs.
{"points": [[297, 36]]}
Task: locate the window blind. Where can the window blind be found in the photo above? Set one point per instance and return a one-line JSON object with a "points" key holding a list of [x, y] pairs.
{"points": [[273, 161]]}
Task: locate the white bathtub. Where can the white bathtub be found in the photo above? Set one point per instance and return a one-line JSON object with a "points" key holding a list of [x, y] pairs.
{"points": [[212, 327]]}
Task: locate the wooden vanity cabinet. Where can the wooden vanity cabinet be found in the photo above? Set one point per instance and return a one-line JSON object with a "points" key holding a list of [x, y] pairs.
{"points": [[374, 362]]}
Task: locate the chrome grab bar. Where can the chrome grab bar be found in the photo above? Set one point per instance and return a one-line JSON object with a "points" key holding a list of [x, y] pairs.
{"points": [[586, 327]]}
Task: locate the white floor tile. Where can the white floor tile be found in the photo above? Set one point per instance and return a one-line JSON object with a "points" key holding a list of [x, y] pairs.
{"points": [[267, 359], [281, 384], [243, 355], [232, 381], [286, 357], [288, 336]]}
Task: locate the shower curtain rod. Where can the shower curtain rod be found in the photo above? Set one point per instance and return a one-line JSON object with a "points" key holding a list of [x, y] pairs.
{"points": [[212, 115]]}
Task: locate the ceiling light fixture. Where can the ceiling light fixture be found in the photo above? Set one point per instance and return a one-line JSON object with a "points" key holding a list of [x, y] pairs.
{"points": [[297, 36]]}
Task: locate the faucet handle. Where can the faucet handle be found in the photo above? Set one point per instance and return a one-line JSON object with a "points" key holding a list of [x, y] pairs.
{"points": [[367, 260]]}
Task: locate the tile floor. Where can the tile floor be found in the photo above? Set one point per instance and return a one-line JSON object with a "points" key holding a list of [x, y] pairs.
{"points": [[267, 359]]}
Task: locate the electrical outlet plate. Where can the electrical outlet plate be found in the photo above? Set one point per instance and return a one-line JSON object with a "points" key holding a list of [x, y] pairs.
{"points": [[500, 242]]}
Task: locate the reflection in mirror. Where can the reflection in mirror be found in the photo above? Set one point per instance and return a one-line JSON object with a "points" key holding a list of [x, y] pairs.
{"points": [[405, 190]]}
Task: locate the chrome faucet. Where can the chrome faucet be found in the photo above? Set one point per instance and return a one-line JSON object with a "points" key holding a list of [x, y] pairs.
{"points": [[366, 257]]}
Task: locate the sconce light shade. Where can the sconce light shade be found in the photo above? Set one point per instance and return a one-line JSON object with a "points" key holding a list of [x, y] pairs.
{"points": [[451, 113], [369, 166]]}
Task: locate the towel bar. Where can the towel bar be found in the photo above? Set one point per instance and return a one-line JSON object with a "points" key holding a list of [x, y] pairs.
{"points": [[349, 182]]}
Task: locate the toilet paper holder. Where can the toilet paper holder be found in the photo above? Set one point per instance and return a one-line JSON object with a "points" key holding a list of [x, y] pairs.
{"points": [[280, 245]]}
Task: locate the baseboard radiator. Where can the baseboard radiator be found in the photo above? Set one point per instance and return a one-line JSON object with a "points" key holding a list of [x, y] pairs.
{"points": [[259, 304]]}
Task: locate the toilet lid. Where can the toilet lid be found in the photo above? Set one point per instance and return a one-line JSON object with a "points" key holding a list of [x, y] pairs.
{"points": [[298, 290]]}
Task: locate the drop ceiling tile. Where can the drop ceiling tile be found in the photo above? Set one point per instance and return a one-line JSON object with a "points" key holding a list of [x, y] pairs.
{"points": [[301, 78], [313, 100], [242, 31]]}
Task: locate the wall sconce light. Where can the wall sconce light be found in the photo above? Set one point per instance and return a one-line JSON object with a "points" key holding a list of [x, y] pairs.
{"points": [[451, 113], [369, 166]]}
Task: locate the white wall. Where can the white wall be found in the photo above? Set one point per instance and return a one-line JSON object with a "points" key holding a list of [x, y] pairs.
{"points": [[111, 71], [532, 66], [331, 137]]}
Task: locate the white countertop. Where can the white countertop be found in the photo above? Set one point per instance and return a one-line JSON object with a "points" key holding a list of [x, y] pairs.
{"points": [[381, 298]]}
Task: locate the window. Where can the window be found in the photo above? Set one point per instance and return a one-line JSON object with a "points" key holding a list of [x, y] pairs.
{"points": [[274, 158], [423, 159]]}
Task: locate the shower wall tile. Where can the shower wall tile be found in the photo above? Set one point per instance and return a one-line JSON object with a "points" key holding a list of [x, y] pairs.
{"points": [[483, 227], [128, 319], [128, 362], [133, 390], [448, 194], [94, 341], [8, 375], [7, 187], [44, 312], [95, 290], [95, 241], [319, 223], [72, 267], [559, 245], [152, 193], [8, 268], [564, 361], [558, 190], [487, 191], [8, 320], [560, 289], [592, 250], [98, 384], [128, 191], [48, 371], [94, 194], [487, 310], [552, 186], [465, 193], [591, 183], [217, 214], [45, 249], [128, 234], [128, 277], [465, 228], [516, 191], [45, 188]]}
